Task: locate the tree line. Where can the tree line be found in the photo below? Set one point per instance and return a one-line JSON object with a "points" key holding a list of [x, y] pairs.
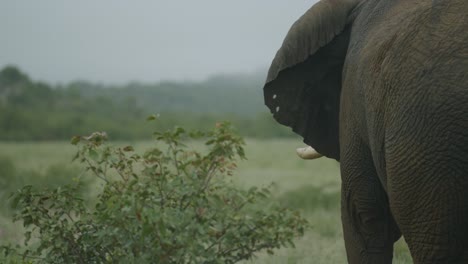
{"points": [[34, 110]]}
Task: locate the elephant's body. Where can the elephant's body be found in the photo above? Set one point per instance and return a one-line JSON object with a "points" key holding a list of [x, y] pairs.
{"points": [[402, 138], [404, 128]]}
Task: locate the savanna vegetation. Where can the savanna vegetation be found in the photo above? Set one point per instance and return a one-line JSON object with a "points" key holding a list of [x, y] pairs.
{"points": [[37, 121], [310, 187], [171, 204]]}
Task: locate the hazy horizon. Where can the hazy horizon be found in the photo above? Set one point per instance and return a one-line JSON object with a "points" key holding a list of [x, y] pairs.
{"points": [[147, 41]]}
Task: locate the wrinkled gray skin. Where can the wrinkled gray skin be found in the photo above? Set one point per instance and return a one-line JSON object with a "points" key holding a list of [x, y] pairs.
{"points": [[382, 86]]}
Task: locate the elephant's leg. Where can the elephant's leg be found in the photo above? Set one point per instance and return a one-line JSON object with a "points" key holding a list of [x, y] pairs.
{"points": [[429, 199], [427, 176], [369, 228]]}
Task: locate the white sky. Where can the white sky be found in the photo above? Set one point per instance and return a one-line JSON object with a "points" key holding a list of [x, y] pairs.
{"points": [[116, 41]]}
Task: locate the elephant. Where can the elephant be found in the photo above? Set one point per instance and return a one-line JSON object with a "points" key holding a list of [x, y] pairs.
{"points": [[382, 87]]}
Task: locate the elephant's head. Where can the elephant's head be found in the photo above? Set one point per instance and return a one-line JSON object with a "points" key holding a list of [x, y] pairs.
{"points": [[303, 85]]}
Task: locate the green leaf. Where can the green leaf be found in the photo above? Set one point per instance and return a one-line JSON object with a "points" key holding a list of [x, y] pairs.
{"points": [[93, 154], [128, 148], [75, 140], [152, 117]]}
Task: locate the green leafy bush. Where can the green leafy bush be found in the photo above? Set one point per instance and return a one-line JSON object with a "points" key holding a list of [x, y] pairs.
{"points": [[173, 204]]}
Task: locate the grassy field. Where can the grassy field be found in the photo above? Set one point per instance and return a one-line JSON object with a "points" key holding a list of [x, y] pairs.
{"points": [[310, 186]]}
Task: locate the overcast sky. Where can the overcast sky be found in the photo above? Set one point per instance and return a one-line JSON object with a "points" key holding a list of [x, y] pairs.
{"points": [[116, 41]]}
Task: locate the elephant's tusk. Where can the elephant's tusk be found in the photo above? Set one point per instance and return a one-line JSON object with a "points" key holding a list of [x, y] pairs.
{"points": [[308, 153]]}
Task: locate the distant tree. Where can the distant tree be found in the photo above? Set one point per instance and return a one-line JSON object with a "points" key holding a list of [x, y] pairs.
{"points": [[12, 75], [12, 80]]}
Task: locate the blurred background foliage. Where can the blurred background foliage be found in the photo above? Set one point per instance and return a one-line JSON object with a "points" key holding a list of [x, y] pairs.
{"points": [[37, 118], [33, 110]]}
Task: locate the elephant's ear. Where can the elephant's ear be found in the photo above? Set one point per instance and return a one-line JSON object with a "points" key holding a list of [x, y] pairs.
{"points": [[304, 81]]}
